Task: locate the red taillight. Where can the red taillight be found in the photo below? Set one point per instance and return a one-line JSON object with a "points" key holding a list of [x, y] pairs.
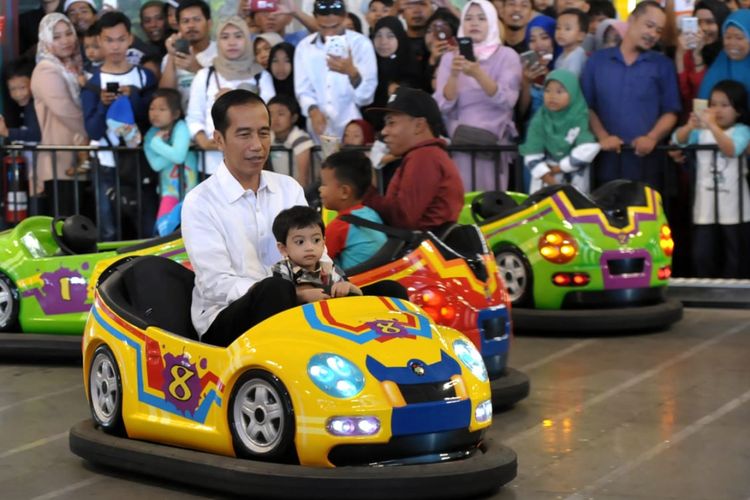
{"points": [[664, 273], [665, 240], [571, 279], [436, 304]]}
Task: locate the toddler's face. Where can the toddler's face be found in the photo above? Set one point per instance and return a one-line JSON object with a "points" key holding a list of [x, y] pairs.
{"points": [[556, 98], [92, 49], [282, 119], [568, 32], [19, 88], [304, 246], [726, 115]]}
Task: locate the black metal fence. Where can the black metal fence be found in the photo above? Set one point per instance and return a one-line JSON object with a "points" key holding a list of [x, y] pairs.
{"points": [[134, 199]]}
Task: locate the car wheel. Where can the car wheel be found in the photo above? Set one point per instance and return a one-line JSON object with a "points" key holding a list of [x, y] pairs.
{"points": [[517, 274], [105, 391], [261, 417], [8, 304]]}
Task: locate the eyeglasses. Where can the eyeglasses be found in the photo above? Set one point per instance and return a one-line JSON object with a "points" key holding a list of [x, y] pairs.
{"points": [[326, 7]]}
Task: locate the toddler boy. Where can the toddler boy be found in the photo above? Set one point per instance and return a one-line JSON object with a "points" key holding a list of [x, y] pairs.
{"points": [[344, 178], [572, 28], [300, 237]]}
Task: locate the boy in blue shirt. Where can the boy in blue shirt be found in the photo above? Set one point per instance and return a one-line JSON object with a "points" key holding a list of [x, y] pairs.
{"points": [[345, 177]]}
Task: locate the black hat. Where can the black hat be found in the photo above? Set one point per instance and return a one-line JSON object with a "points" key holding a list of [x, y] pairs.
{"points": [[415, 103], [328, 7]]}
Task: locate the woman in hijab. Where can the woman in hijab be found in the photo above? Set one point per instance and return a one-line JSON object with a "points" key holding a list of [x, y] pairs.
{"points": [[609, 33], [733, 62], [54, 84], [392, 53], [695, 53], [540, 38], [477, 97], [281, 71], [234, 67], [262, 46], [559, 144]]}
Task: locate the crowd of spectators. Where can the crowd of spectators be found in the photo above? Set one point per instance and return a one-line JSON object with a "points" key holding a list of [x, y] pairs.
{"points": [[587, 98]]}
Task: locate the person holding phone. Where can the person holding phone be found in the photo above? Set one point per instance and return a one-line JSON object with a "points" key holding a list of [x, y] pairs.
{"points": [[188, 50], [335, 72], [476, 91]]}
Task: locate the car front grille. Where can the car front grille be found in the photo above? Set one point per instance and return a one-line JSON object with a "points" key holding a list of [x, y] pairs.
{"points": [[427, 393]]}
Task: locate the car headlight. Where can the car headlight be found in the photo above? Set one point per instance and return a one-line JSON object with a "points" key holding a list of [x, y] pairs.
{"points": [[470, 357], [335, 375], [483, 412]]}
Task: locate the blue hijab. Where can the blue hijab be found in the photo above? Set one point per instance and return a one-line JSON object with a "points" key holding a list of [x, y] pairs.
{"points": [[547, 24], [724, 68]]}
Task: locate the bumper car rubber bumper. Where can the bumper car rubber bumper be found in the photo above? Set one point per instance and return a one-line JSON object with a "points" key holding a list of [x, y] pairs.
{"points": [[509, 389], [614, 320], [40, 347], [485, 471]]}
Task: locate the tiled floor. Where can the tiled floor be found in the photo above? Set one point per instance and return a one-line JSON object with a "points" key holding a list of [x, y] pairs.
{"points": [[656, 416]]}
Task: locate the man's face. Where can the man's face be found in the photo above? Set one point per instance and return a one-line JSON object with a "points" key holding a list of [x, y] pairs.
{"points": [[271, 22], [81, 15], [644, 31], [561, 5], [400, 131], [515, 14], [114, 43], [153, 23], [247, 141], [416, 13], [194, 26], [331, 24]]}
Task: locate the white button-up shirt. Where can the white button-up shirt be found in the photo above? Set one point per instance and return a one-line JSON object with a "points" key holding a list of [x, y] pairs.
{"points": [[332, 92], [227, 234]]}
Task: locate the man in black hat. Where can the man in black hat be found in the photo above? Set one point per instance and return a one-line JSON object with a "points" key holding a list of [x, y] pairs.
{"points": [[426, 191]]}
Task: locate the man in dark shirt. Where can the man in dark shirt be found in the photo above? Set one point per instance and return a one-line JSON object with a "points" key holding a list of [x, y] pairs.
{"points": [[426, 191], [515, 15], [416, 13]]}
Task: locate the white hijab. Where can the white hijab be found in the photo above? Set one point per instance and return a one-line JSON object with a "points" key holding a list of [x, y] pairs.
{"points": [[483, 50], [74, 66]]}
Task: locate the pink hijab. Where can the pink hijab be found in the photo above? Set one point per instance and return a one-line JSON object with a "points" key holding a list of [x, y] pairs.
{"points": [[483, 50]]}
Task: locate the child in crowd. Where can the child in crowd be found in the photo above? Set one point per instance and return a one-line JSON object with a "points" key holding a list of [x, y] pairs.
{"points": [[559, 145], [167, 146], [545, 7], [344, 178], [262, 46], [720, 239], [23, 126], [572, 27], [284, 112], [600, 10], [300, 237], [358, 133], [93, 52]]}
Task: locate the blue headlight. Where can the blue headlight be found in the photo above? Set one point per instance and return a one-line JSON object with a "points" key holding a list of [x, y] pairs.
{"points": [[470, 357], [336, 376]]}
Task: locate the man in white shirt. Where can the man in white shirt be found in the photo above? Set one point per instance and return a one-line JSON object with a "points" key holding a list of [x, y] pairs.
{"points": [[226, 226], [183, 59], [330, 88]]}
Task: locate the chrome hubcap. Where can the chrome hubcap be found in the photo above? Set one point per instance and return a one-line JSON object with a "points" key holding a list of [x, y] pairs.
{"points": [[6, 303], [258, 416], [514, 274], [103, 388]]}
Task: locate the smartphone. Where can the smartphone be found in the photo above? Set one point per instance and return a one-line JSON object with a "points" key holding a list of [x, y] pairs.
{"points": [[181, 45], [689, 27], [263, 6], [337, 46], [445, 33], [466, 47], [113, 87], [529, 58]]}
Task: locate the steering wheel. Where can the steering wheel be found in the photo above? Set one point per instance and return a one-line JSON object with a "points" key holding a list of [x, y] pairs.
{"points": [[78, 234]]}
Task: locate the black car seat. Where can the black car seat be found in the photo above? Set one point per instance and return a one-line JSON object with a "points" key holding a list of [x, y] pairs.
{"points": [[77, 234], [492, 204]]}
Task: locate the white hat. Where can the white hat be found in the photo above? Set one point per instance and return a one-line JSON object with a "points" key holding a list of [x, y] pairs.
{"points": [[68, 3]]}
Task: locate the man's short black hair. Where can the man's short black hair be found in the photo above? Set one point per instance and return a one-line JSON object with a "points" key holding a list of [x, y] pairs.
{"points": [[237, 97], [286, 100], [151, 3], [642, 7], [387, 3], [93, 30], [20, 67], [297, 217], [113, 18], [602, 8], [187, 4], [352, 168], [581, 17]]}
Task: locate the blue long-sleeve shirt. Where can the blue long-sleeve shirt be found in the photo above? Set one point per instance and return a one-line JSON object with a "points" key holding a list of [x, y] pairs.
{"points": [[164, 157], [29, 131], [95, 112]]}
